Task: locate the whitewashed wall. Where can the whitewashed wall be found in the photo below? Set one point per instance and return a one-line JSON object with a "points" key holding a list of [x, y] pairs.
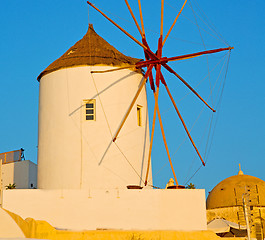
{"points": [[145, 209], [8, 227], [78, 154], [22, 173]]}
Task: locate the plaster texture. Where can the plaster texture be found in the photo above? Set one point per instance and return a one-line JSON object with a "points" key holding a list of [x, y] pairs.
{"points": [[112, 209], [77, 154], [22, 173], [8, 227]]}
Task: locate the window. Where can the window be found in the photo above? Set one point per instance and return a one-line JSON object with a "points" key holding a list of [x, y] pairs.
{"points": [[90, 109], [139, 115]]}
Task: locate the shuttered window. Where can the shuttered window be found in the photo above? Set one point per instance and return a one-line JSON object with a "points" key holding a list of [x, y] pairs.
{"points": [[90, 109]]}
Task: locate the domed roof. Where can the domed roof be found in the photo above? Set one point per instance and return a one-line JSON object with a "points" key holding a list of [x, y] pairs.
{"points": [[90, 50], [228, 193]]}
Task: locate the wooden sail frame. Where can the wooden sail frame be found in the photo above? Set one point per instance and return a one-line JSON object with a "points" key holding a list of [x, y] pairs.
{"points": [[154, 60]]}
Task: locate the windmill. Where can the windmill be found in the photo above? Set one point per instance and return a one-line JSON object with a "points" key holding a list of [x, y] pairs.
{"points": [[155, 61]]}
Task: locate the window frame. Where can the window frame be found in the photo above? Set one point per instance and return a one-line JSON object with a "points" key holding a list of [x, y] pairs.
{"points": [[139, 112], [89, 101]]}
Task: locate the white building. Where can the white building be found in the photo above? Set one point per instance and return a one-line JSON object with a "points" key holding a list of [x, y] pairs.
{"points": [[17, 173], [82, 175], [22, 173], [79, 113]]}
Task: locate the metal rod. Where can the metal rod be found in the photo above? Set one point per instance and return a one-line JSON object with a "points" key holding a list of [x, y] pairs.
{"points": [[152, 137], [184, 125], [182, 80], [129, 35], [137, 25], [174, 22], [133, 101], [164, 139]]}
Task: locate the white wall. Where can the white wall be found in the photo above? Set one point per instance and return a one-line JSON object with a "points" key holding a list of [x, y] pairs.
{"points": [[78, 154], [22, 173], [146, 209]]}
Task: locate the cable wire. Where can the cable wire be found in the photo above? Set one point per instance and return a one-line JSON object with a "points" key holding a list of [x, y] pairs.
{"points": [[217, 117], [109, 128]]}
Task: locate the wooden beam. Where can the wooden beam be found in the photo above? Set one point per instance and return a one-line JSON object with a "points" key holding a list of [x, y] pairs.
{"points": [[165, 60], [149, 70], [192, 55], [182, 80], [165, 142], [184, 125], [152, 136], [162, 18], [136, 23], [174, 22], [141, 16], [129, 35]]}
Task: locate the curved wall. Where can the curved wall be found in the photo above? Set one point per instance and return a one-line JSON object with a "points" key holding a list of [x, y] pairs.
{"points": [[77, 154]]}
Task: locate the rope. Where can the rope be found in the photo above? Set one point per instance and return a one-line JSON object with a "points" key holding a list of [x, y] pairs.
{"points": [[201, 140], [184, 140], [109, 128], [207, 57], [217, 38], [199, 83], [211, 89], [219, 102], [198, 117], [83, 137], [129, 162], [217, 117], [210, 25], [172, 37], [209, 133], [101, 104], [148, 29]]}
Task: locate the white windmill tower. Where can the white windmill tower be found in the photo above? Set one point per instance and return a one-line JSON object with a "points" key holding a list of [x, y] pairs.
{"points": [[86, 101], [84, 95]]}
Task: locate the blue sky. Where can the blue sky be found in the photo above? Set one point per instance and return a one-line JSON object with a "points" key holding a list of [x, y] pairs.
{"points": [[35, 33]]}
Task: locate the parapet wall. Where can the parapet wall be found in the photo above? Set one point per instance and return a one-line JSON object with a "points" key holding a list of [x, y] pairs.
{"points": [[78, 210]]}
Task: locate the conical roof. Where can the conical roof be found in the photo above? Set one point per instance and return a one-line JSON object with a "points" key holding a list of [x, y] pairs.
{"points": [[90, 50]]}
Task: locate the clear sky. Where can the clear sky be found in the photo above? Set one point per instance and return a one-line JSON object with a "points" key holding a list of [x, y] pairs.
{"points": [[35, 33]]}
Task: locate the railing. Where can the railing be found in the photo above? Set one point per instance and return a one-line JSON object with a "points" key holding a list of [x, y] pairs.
{"points": [[12, 156]]}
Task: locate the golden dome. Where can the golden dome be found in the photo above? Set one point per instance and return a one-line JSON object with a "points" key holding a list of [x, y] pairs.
{"points": [[228, 193]]}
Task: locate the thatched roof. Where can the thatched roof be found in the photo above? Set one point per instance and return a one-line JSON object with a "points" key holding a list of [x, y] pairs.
{"points": [[90, 50]]}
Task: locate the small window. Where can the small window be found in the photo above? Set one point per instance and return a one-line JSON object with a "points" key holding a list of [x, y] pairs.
{"points": [[139, 115], [90, 109]]}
